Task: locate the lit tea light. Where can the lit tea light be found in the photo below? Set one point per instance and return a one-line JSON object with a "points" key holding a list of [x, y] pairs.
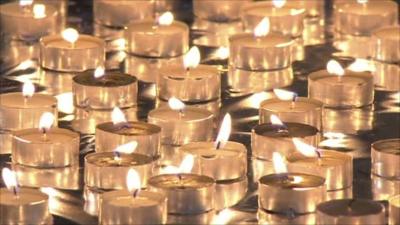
{"points": [[266, 136], [183, 186], [106, 170], [291, 108], [110, 135], [190, 83], [384, 157], [24, 20], [219, 11], [71, 51], [394, 210], [31, 204], [340, 88], [335, 167], [162, 38], [98, 89], [293, 193], [351, 211], [45, 147], [181, 124], [284, 18], [134, 205]]}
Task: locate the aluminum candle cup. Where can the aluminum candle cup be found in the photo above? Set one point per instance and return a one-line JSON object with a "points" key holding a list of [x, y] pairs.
{"points": [[147, 135], [192, 125], [291, 192], [335, 167], [200, 84], [120, 207], [61, 7], [383, 188], [230, 192], [202, 218], [385, 44], [182, 189], [394, 210], [218, 11], [119, 13], [270, 52], [261, 168], [348, 121], [303, 110], [360, 19], [58, 148], [387, 76], [148, 39], [287, 20], [23, 24], [385, 157], [267, 138], [106, 171], [265, 217], [29, 207], [87, 52], [106, 92], [212, 106], [350, 211], [226, 163], [354, 89]]}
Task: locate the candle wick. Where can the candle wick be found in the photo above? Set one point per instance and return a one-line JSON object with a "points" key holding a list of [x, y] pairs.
{"points": [[135, 193], [15, 191], [350, 204], [26, 100], [340, 79], [44, 136], [218, 145], [294, 99]]}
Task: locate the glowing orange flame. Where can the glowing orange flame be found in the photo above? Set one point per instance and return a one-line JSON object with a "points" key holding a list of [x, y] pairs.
{"points": [[305, 149], [284, 94], [224, 132], [133, 181], [70, 34], [28, 89], [9, 178], [262, 29], [46, 121], [186, 164], [99, 72], [176, 104], [117, 116], [279, 163], [166, 19], [39, 11], [127, 148], [333, 67], [192, 58], [279, 3], [275, 120]]}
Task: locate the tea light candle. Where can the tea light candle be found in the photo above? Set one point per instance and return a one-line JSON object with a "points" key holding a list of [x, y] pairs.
{"points": [[267, 136], [26, 21], [229, 192], [394, 210], [71, 51], [163, 38], [290, 108], [338, 88], [266, 217], [110, 135], [350, 211], [360, 18], [260, 50], [22, 205], [191, 83], [385, 44], [45, 147], [385, 155], [180, 124], [97, 89], [120, 13], [108, 170], [382, 188], [285, 18], [22, 110], [218, 11], [133, 206], [335, 167]]}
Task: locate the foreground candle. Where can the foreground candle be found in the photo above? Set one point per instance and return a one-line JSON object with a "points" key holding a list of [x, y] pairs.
{"points": [[22, 205], [350, 211], [133, 206], [45, 147], [71, 51], [340, 88], [385, 155]]}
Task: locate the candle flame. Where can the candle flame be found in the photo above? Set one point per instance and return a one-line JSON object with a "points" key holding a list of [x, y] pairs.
{"points": [[362, 1], [117, 116], [285, 95], [304, 148], [186, 164], [192, 58], [279, 163], [46, 121], [262, 29], [222, 217], [25, 2], [166, 19], [28, 89], [333, 67], [127, 148], [176, 104], [222, 53], [224, 132], [99, 72], [9, 178], [297, 179], [39, 11], [70, 34], [133, 182], [275, 120], [279, 3], [361, 65], [169, 170]]}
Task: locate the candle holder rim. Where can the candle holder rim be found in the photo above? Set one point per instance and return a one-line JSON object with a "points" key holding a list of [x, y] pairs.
{"points": [[43, 196], [378, 207], [55, 130], [44, 41], [35, 94], [154, 129], [295, 156], [132, 26], [324, 73], [268, 4], [259, 129], [210, 115], [288, 41], [90, 74], [175, 71], [315, 102], [267, 179], [144, 193], [209, 181], [145, 159], [379, 146]]}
